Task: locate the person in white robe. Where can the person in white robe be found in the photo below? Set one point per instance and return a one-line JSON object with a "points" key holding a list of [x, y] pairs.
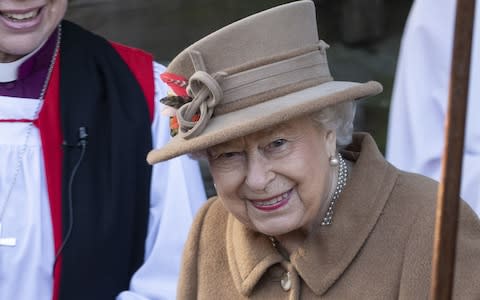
{"points": [[416, 131], [27, 253]]}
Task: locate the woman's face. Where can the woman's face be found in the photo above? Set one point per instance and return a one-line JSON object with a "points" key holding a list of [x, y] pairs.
{"points": [[25, 24], [277, 180]]}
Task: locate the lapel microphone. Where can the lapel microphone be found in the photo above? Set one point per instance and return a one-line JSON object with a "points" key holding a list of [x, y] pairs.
{"points": [[81, 143], [82, 136], [82, 139]]}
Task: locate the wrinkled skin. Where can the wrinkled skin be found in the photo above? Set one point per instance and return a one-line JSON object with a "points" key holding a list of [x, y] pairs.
{"points": [[277, 181]]}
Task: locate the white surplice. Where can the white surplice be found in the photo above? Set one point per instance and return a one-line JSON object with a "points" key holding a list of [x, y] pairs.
{"points": [[26, 269], [415, 140]]}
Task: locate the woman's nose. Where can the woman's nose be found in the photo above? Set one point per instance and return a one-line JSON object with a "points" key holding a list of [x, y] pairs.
{"points": [[259, 174]]}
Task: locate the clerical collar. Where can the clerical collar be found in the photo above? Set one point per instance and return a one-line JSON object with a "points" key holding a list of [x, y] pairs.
{"points": [[26, 76], [9, 71], [22, 67]]}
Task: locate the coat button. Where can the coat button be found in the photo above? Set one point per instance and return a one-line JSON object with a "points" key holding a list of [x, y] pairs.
{"points": [[285, 282]]}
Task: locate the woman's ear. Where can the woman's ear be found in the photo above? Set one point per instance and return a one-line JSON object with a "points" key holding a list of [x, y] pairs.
{"points": [[331, 142]]}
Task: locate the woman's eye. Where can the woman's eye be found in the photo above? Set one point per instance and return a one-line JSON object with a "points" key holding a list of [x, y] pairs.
{"points": [[276, 146], [227, 155], [278, 143]]}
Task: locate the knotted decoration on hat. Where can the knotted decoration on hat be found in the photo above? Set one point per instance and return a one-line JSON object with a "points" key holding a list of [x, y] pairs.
{"points": [[245, 85], [206, 94]]}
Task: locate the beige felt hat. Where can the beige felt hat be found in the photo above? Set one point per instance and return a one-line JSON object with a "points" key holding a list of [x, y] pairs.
{"points": [[255, 73]]}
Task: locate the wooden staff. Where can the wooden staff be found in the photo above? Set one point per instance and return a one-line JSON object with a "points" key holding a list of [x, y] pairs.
{"points": [[445, 238]]}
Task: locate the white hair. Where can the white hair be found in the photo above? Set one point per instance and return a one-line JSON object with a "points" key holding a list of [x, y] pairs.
{"points": [[338, 117]]}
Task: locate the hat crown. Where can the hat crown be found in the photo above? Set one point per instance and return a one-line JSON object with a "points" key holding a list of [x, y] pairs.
{"points": [[256, 59], [278, 30]]}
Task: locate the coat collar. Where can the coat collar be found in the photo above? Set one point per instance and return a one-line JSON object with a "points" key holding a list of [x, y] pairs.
{"points": [[328, 250]]}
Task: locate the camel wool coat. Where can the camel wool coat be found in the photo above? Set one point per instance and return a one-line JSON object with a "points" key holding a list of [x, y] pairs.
{"points": [[379, 245]]}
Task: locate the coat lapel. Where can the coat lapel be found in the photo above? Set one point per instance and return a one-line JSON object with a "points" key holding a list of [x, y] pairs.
{"points": [[250, 254]]}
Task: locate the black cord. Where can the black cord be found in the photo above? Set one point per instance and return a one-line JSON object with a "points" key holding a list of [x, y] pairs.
{"points": [[83, 144]]}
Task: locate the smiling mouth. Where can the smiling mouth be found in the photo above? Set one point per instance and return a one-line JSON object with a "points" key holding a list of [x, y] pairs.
{"points": [[21, 17], [272, 202]]}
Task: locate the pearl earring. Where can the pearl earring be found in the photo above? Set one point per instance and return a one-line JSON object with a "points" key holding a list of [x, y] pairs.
{"points": [[333, 161]]}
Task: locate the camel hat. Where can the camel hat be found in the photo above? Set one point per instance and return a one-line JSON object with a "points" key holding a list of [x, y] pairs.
{"points": [[258, 72]]}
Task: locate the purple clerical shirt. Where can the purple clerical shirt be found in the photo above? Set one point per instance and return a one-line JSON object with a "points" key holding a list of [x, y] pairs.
{"points": [[31, 73]]}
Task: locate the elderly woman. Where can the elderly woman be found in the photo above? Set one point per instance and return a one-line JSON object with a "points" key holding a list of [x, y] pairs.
{"points": [[304, 209]]}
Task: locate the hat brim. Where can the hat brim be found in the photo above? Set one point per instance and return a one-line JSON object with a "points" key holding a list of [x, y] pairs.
{"points": [[264, 115]]}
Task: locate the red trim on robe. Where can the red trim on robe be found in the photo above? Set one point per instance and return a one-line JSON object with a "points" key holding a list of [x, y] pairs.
{"points": [[141, 64], [48, 123], [51, 134]]}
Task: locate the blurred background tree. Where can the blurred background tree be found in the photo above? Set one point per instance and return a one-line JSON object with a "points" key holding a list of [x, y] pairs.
{"points": [[364, 36]]}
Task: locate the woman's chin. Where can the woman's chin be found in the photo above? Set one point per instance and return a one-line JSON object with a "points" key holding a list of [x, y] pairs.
{"points": [[275, 228]]}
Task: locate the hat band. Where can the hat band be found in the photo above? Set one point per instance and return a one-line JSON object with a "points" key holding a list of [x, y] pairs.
{"points": [[266, 82], [223, 93]]}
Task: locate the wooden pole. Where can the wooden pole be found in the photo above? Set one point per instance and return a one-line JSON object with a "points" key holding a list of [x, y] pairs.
{"points": [[443, 262]]}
